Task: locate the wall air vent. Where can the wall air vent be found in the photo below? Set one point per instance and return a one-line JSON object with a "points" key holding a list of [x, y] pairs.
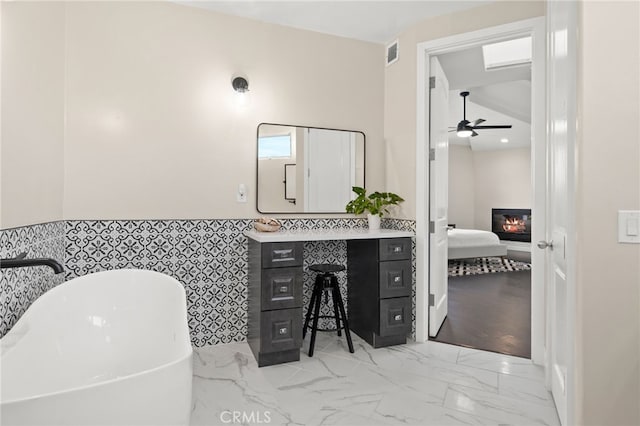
{"points": [[392, 52]]}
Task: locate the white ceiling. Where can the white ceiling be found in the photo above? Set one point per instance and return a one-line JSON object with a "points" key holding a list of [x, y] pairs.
{"points": [[499, 96], [374, 21], [465, 69], [488, 139]]}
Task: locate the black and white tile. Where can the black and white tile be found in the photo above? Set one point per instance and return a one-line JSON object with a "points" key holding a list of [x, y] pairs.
{"points": [[398, 224], [208, 256], [324, 252], [20, 287]]}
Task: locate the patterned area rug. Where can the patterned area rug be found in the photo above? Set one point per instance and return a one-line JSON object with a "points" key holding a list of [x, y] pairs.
{"points": [[485, 265]]}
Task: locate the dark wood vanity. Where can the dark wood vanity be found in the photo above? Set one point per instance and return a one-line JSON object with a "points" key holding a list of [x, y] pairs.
{"points": [[275, 301], [379, 283]]}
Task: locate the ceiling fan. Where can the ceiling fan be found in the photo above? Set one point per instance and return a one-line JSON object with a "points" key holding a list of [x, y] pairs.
{"points": [[467, 128]]}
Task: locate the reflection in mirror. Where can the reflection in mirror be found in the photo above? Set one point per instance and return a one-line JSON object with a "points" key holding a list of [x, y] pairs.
{"points": [[308, 169]]}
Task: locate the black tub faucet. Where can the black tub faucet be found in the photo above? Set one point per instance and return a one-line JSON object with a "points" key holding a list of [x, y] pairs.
{"points": [[20, 261]]}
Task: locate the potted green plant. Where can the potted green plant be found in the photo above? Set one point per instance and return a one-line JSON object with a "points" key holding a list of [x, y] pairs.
{"points": [[375, 204]]}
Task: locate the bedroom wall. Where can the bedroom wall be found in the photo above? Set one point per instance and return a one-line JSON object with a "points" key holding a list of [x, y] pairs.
{"points": [[461, 187], [501, 179]]}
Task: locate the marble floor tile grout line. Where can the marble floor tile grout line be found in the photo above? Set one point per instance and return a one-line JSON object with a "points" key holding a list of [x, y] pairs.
{"points": [[411, 385]]}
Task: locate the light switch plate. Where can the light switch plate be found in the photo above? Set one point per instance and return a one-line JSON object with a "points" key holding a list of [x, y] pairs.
{"points": [[629, 226], [241, 195]]}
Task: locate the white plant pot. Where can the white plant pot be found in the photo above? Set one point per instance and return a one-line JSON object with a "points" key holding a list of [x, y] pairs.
{"points": [[374, 222]]}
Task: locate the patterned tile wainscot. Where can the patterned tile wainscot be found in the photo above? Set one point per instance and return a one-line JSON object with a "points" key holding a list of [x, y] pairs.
{"points": [[208, 256], [20, 287]]}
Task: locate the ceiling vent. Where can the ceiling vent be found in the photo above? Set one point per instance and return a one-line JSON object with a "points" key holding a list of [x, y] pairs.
{"points": [[392, 52]]}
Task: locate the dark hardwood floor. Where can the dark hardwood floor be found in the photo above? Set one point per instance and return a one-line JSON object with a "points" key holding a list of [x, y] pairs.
{"points": [[491, 312]]}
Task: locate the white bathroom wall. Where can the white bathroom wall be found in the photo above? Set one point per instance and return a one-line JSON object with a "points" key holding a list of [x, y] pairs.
{"points": [[608, 175], [502, 179], [271, 193], [32, 105], [153, 130], [271, 173]]}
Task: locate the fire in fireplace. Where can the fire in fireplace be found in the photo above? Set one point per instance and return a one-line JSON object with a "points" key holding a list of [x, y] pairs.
{"points": [[512, 224]]}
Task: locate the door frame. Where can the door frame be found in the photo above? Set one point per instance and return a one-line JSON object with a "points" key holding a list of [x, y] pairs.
{"points": [[536, 28], [438, 197], [562, 111]]}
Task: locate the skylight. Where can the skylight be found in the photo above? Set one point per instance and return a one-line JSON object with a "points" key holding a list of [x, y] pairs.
{"points": [[507, 53]]}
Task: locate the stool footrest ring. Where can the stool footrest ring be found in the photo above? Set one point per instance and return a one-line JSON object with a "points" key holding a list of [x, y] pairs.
{"points": [[310, 326]]}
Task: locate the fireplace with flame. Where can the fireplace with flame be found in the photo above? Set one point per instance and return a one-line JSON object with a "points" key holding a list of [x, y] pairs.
{"points": [[512, 224]]}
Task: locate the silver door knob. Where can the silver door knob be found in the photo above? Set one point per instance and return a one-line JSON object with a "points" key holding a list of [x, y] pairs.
{"points": [[543, 244]]}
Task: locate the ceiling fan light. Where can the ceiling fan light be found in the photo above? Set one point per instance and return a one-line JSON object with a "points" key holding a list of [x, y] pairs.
{"points": [[463, 130]]}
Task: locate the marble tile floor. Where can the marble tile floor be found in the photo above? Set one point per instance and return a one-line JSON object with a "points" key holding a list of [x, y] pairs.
{"points": [[415, 384]]}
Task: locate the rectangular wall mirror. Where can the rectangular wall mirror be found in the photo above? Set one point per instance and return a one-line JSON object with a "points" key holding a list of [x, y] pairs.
{"points": [[308, 169]]}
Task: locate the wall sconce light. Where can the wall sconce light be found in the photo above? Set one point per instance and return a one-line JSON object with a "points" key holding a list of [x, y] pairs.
{"points": [[240, 84]]}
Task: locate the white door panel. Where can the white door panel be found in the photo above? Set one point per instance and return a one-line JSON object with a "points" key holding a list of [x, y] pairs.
{"points": [[561, 110], [329, 175], [438, 197]]}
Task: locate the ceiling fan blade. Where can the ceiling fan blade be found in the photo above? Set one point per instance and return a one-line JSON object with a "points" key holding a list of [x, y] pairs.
{"points": [[473, 133], [498, 126], [476, 122]]}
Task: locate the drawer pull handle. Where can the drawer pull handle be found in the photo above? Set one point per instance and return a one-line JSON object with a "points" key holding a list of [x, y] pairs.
{"points": [[283, 289], [283, 330], [282, 254], [397, 249], [397, 279], [397, 318]]}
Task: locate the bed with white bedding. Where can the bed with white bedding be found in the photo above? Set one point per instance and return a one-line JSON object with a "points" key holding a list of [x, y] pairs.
{"points": [[469, 243]]}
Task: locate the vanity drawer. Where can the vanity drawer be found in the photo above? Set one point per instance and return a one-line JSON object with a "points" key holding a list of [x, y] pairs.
{"points": [[395, 249], [281, 255], [281, 288], [395, 316], [280, 330], [395, 278]]}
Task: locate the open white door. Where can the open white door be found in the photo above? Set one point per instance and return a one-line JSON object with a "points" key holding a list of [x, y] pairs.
{"points": [[328, 174], [438, 196], [561, 148]]}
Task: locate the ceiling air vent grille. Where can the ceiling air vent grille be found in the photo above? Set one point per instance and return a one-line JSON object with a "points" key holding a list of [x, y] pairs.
{"points": [[392, 52]]}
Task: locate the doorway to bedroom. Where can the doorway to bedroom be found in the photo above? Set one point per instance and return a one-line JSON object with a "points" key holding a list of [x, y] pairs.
{"points": [[482, 186]]}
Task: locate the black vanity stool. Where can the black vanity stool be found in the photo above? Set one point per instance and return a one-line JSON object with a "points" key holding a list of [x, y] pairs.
{"points": [[326, 282]]}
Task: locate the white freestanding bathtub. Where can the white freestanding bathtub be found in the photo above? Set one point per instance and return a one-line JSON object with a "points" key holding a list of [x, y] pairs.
{"points": [[110, 348]]}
